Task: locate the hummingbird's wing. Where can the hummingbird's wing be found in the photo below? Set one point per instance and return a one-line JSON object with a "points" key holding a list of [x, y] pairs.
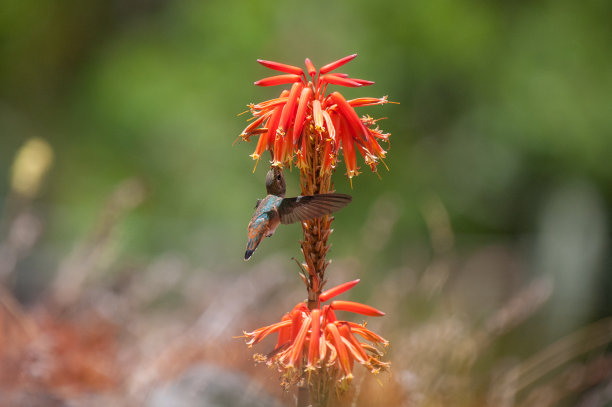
{"points": [[308, 207]]}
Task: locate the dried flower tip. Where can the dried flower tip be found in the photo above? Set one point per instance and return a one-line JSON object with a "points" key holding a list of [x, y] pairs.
{"points": [[259, 358], [277, 66], [372, 349]]}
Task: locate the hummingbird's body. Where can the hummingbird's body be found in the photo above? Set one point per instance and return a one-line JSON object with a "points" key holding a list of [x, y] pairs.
{"points": [[275, 209]]}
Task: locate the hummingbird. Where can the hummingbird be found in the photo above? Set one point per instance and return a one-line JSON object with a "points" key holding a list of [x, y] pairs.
{"points": [[275, 209]]}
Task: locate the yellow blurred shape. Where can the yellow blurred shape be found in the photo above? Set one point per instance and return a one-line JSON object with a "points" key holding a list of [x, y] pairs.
{"points": [[32, 162]]}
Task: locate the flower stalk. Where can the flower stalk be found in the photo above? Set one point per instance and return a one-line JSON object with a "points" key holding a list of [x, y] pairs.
{"points": [[315, 180], [308, 128]]}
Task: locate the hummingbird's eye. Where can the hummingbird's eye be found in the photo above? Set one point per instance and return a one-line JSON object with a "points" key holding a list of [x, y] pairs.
{"points": [[278, 177]]}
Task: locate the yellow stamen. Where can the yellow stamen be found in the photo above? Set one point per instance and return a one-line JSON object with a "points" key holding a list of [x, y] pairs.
{"points": [[384, 163], [256, 161], [237, 138]]}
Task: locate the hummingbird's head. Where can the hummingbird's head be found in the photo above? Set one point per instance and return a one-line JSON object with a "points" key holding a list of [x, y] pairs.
{"points": [[275, 182]]}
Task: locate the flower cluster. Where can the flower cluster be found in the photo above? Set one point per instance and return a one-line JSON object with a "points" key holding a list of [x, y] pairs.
{"points": [[286, 124], [316, 339]]}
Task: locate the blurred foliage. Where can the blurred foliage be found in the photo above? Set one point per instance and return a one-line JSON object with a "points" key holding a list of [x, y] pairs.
{"points": [[504, 128]]}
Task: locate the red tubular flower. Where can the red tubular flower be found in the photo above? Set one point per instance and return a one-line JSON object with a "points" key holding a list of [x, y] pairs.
{"points": [[354, 346], [288, 108], [278, 80], [348, 147], [262, 144], [328, 157], [343, 356], [296, 351], [261, 333], [316, 337], [317, 115], [340, 75], [336, 64], [330, 316], [284, 333], [356, 307], [281, 67], [252, 128], [312, 71], [347, 111], [367, 101], [337, 80], [337, 290], [363, 82], [305, 99], [306, 108], [331, 130]]}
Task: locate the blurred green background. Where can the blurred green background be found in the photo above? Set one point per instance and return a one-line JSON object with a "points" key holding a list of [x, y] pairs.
{"points": [[499, 157]]}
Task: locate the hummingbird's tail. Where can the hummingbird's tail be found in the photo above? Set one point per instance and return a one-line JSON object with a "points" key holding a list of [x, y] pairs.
{"points": [[252, 244]]}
